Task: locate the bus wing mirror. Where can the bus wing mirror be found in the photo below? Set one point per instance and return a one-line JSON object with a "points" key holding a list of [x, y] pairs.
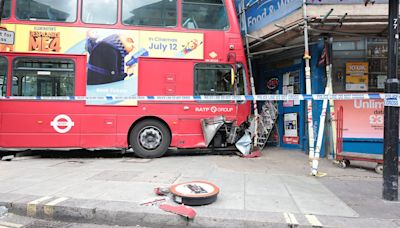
{"points": [[238, 67]]}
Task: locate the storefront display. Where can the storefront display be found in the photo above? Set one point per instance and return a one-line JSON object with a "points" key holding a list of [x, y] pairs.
{"points": [[377, 59], [291, 85], [290, 128]]}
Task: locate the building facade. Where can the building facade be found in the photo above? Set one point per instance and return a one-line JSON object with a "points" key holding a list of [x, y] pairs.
{"points": [[352, 34]]}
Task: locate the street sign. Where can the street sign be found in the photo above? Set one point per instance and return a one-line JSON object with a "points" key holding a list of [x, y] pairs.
{"points": [[6, 37], [194, 193]]}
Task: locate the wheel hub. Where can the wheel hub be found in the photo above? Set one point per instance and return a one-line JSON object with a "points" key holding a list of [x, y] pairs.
{"points": [[150, 138]]}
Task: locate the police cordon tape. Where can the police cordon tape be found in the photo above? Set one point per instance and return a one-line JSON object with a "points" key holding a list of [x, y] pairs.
{"points": [[389, 99]]}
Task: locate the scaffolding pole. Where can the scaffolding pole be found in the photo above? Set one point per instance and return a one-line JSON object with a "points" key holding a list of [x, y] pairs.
{"points": [[307, 69], [253, 90]]}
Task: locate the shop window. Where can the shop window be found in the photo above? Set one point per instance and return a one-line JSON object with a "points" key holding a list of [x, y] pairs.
{"points": [[204, 14], [6, 9], [99, 11], [213, 79], [3, 75], [377, 53], [344, 45], [47, 10], [43, 77], [149, 13]]}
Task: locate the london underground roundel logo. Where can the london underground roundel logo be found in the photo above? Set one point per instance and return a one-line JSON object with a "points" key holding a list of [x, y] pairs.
{"points": [[62, 123]]}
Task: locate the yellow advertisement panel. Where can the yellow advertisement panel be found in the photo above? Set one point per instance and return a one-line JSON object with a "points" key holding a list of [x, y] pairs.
{"points": [[357, 76], [113, 55]]}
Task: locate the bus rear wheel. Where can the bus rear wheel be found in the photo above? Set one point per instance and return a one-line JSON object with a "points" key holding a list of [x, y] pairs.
{"points": [[150, 139]]}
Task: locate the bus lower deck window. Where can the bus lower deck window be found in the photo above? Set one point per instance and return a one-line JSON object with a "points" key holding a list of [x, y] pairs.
{"points": [[213, 79], [3, 75], [43, 77]]}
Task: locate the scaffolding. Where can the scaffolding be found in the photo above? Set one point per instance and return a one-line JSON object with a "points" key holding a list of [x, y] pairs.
{"points": [[304, 25]]}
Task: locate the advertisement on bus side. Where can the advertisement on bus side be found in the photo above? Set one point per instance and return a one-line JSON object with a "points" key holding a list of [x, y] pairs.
{"points": [[113, 55]]}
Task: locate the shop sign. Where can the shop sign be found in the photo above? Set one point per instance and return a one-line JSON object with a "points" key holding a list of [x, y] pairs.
{"points": [[329, 2], [266, 11], [357, 76], [290, 140], [273, 83]]}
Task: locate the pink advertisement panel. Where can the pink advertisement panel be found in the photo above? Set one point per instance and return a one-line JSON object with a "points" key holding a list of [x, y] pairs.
{"points": [[362, 118]]}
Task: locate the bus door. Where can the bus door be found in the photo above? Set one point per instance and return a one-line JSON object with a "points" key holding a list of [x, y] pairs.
{"points": [[3, 87], [29, 120], [241, 87]]}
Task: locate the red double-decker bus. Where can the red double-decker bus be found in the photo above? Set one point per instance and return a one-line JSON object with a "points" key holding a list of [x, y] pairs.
{"points": [[113, 50]]}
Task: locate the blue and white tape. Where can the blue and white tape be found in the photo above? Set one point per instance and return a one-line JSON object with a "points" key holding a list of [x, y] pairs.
{"points": [[390, 99]]}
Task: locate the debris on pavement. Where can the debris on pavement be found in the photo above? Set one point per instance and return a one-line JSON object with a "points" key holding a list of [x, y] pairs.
{"points": [[161, 191], [154, 201], [254, 154], [194, 193], [3, 211], [182, 210], [7, 158]]}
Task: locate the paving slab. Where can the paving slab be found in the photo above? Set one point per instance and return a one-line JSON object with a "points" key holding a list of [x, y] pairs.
{"points": [[312, 197]]}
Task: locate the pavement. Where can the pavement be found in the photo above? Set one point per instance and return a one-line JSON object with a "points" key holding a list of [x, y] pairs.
{"points": [[274, 190]]}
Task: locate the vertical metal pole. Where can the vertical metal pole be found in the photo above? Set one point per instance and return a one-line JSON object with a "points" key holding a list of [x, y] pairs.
{"points": [[1, 9], [331, 102], [253, 90], [391, 124], [307, 58]]}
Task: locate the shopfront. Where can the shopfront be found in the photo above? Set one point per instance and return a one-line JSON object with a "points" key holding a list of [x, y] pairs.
{"points": [[358, 50], [360, 66]]}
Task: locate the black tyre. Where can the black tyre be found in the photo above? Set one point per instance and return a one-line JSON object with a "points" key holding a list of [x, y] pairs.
{"points": [[150, 139]]}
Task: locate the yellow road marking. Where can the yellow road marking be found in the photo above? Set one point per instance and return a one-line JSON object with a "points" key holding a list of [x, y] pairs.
{"points": [[291, 219], [48, 207], [9, 224], [312, 219], [31, 207]]}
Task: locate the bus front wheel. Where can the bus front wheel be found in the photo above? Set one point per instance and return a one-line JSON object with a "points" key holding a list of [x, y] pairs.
{"points": [[150, 139]]}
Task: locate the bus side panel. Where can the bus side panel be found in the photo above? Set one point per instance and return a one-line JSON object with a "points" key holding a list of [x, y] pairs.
{"points": [[98, 131], [163, 77], [170, 78], [41, 129], [190, 133]]}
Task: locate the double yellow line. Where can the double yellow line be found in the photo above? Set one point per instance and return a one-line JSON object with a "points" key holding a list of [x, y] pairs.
{"points": [[31, 208]]}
